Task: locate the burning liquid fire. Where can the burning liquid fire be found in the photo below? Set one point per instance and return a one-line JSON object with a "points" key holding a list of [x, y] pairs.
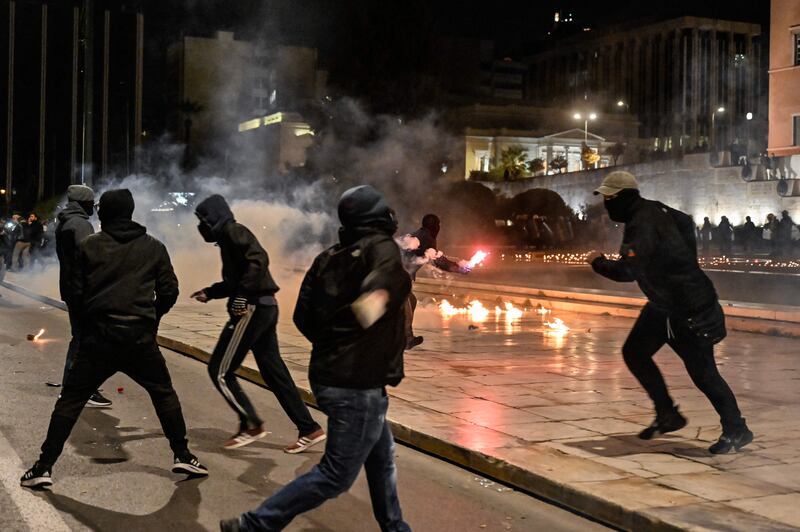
{"points": [[41, 332], [475, 310], [557, 325]]}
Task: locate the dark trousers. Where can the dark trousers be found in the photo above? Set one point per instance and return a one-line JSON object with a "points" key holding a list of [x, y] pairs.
{"points": [[74, 342], [256, 330], [408, 310], [145, 365], [358, 435], [648, 335]]}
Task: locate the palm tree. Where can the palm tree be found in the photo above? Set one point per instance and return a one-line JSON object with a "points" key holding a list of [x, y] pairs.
{"points": [[513, 160]]}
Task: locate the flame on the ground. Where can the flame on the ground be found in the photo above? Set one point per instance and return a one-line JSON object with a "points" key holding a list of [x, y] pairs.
{"points": [[512, 312], [475, 310], [508, 311], [557, 325], [477, 258], [543, 311], [41, 332]]}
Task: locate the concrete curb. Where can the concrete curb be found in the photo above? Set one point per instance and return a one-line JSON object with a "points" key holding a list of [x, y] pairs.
{"points": [[565, 494], [773, 320]]}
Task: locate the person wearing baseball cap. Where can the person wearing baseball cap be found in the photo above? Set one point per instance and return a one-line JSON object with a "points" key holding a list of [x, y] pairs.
{"points": [[73, 227], [659, 252]]}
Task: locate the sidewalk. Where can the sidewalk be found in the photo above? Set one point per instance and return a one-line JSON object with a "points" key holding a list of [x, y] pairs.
{"points": [[557, 416]]}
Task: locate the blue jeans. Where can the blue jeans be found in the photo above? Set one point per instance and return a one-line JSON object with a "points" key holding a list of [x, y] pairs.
{"points": [[358, 434]]}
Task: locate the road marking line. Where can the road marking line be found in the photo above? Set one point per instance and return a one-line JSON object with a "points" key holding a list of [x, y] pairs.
{"points": [[37, 512]]}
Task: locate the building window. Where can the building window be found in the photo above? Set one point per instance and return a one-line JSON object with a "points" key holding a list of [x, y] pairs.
{"points": [[797, 49], [796, 123]]}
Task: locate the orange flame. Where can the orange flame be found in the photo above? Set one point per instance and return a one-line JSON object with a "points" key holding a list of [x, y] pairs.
{"points": [[557, 325], [475, 310], [41, 332]]}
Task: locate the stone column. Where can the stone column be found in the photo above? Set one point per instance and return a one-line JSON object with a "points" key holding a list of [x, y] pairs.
{"points": [[694, 64], [732, 100], [661, 86], [676, 127], [751, 68], [648, 111], [636, 80], [714, 96]]}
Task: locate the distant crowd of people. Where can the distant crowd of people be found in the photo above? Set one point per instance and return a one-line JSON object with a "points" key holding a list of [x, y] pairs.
{"points": [[776, 236], [25, 242]]}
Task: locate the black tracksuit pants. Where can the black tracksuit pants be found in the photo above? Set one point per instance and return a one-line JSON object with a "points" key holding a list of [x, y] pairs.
{"points": [[256, 331], [651, 331], [144, 364]]}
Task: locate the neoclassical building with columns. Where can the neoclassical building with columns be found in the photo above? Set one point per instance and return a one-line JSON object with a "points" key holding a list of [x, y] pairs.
{"points": [[690, 81]]}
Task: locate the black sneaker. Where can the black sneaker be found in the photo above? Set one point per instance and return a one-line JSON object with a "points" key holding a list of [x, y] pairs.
{"points": [[735, 440], [229, 525], [98, 401], [664, 423], [36, 477], [189, 464], [414, 342]]}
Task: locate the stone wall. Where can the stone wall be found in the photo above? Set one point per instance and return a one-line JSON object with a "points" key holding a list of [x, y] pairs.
{"points": [[690, 185]]}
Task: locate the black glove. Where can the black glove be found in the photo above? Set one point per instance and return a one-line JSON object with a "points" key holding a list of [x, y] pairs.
{"points": [[238, 306]]}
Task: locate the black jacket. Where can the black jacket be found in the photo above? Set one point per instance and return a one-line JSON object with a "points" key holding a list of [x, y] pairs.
{"points": [[427, 241], [73, 227], [659, 252], [343, 353], [124, 275], [245, 264]]}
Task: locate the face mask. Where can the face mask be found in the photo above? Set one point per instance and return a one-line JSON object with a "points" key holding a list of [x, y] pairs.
{"points": [[205, 232], [619, 208]]}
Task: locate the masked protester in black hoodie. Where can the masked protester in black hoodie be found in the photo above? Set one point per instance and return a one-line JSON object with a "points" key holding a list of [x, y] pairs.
{"points": [[250, 290], [73, 227], [659, 252], [350, 308], [414, 259], [119, 270]]}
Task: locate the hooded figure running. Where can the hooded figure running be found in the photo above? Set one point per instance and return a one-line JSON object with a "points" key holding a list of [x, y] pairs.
{"points": [[659, 252], [253, 310], [124, 285], [350, 308]]}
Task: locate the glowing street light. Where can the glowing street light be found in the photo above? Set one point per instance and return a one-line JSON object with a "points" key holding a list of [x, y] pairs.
{"points": [[586, 118]]}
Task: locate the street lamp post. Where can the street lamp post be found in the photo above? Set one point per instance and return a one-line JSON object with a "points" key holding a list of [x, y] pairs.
{"points": [[585, 118]]}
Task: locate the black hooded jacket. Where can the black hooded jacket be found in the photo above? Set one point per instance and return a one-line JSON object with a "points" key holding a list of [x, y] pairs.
{"points": [[245, 264], [124, 275], [73, 227], [659, 252], [365, 259]]}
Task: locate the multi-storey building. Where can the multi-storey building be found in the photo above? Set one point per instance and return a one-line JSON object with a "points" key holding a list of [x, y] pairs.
{"points": [[691, 81], [784, 78]]}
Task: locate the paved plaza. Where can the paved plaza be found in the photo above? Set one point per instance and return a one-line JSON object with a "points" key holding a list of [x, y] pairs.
{"points": [[558, 414]]}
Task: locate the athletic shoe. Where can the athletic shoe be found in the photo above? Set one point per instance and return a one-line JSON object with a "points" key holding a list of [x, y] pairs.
{"points": [[245, 437], [414, 341], [230, 525], [735, 440], [37, 477], [669, 422], [188, 463], [304, 442], [98, 401]]}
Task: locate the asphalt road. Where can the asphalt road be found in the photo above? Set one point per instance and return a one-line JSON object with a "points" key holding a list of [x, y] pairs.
{"points": [[114, 473]]}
